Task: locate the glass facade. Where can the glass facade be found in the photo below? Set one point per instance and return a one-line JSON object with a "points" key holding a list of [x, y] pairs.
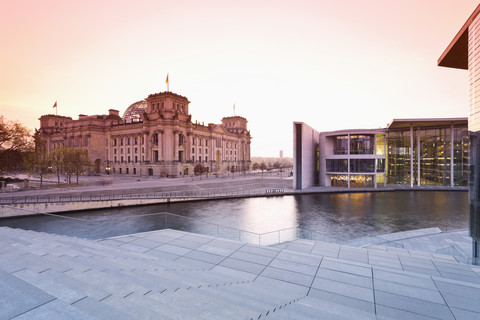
{"points": [[461, 157], [337, 165], [423, 156], [398, 157], [339, 180], [418, 153], [434, 157], [357, 180], [362, 144], [362, 165], [380, 150], [341, 145]]}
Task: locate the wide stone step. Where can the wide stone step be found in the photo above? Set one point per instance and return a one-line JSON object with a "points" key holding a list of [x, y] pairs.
{"points": [[18, 296], [57, 309], [192, 305]]}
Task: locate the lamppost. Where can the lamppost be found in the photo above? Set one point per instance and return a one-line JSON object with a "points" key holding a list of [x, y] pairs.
{"points": [[107, 169]]}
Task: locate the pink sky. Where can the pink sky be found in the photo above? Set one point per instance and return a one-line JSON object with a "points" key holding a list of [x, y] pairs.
{"points": [[330, 63]]}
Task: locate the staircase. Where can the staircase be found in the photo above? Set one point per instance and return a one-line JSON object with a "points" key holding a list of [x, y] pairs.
{"points": [[171, 274]]}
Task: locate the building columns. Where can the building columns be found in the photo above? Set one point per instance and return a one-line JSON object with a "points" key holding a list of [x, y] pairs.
{"points": [[452, 153], [411, 155], [419, 158]]}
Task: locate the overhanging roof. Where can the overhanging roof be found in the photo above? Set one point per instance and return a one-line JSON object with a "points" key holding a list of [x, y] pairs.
{"points": [[456, 54], [426, 122]]}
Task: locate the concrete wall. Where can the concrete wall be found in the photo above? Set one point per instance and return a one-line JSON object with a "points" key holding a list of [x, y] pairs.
{"points": [[305, 138]]}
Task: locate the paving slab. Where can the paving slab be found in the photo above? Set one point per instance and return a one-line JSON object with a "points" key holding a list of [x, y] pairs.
{"points": [[421, 307], [56, 309]]}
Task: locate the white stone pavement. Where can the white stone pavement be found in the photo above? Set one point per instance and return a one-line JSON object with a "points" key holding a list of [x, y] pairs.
{"points": [[170, 274]]}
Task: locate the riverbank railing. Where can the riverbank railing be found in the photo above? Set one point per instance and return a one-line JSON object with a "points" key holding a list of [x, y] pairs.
{"points": [[177, 195], [96, 227]]}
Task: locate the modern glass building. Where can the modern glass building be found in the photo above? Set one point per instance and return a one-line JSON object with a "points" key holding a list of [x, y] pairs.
{"points": [[428, 152], [463, 52], [414, 152], [352, 158]]}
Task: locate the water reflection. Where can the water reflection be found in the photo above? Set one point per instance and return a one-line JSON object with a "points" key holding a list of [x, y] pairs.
{"points": [[342, 215]]}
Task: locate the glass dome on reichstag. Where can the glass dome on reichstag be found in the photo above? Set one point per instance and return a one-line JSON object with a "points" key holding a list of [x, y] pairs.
{"points": [[135, 111]]}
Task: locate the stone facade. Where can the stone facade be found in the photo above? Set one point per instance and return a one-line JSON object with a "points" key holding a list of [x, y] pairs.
{"points": [[158, 140]]}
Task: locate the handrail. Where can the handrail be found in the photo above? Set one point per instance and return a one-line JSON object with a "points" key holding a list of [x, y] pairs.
{"points": [[136, 196], [218, 230]]}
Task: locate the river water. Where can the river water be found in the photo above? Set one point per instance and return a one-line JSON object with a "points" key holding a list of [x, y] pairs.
{"points": [[340, 215]]}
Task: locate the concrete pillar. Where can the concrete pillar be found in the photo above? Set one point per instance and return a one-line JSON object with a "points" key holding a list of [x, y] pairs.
{"points": [[385, 147], [452, 153], [348, 161], [418, 156], [411, 155]]}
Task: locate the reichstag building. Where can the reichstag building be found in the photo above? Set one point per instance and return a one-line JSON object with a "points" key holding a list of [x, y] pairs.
{"points": [[155, 137]]}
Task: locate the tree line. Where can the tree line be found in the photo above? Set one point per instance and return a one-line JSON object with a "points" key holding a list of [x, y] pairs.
{"points": [[21, 151]]}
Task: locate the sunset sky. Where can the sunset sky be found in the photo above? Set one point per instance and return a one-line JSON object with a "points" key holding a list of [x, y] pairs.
{"points": [[334, 64]]}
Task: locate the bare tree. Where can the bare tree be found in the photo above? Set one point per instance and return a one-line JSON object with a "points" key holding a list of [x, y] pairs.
{"points": [[15, 142], [38, 160], [80, 161]]}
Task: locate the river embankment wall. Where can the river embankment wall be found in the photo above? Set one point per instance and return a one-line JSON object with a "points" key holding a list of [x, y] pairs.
{"points": [[78, 199], [60, 201]]}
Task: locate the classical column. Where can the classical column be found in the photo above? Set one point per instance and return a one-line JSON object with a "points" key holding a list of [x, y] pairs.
{"points": [[146, 145], [176, 135]]}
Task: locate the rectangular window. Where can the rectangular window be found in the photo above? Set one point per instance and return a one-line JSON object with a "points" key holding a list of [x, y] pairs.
{"points": [[128, 158], [121, 141], [206, 143], [337, 165], [136, 159], [136, 140], [362, 144], [341, 145], [128, 141], [362, 165], [136, 150], [122, 159], [380, 165]]}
